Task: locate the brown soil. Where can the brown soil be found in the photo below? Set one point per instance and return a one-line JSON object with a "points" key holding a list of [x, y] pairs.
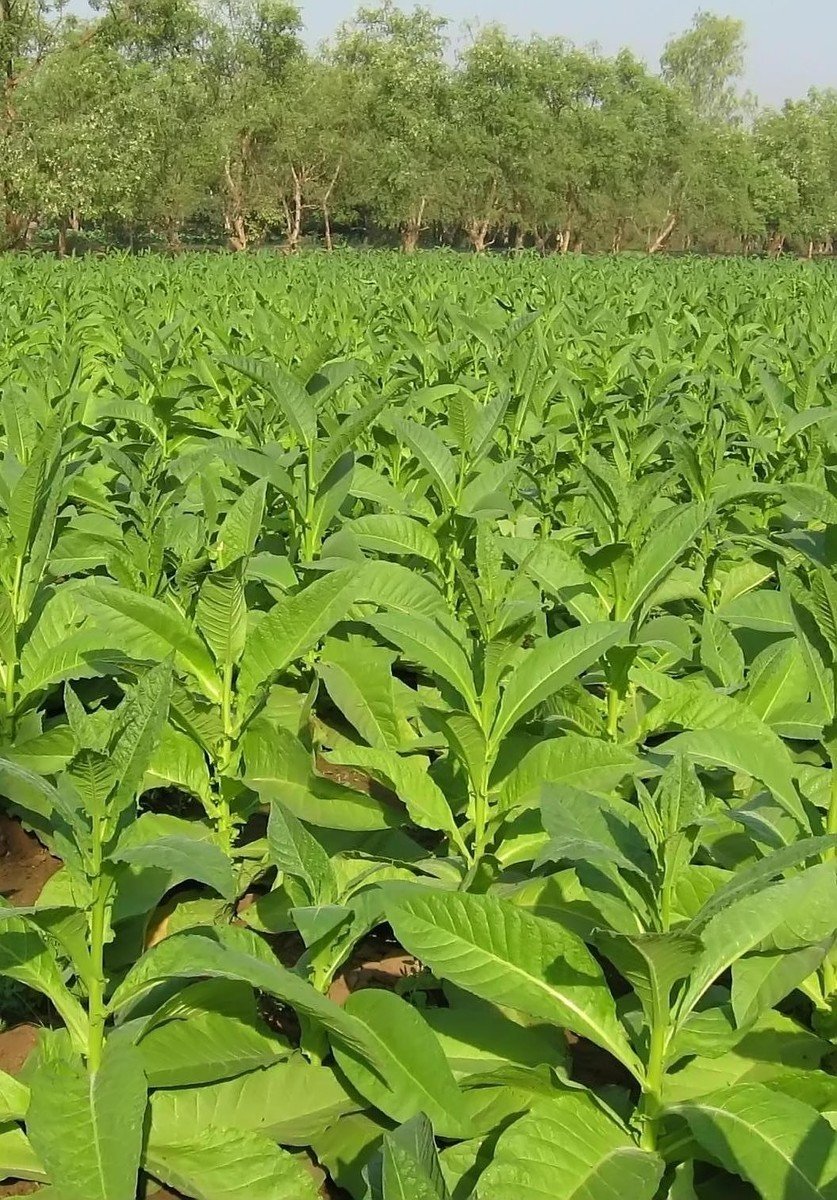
{"points": [[16, 1045], [373, 965], [25, 865]]}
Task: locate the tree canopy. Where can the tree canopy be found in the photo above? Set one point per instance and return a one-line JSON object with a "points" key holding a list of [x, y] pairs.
{"points": [[162, 120]]}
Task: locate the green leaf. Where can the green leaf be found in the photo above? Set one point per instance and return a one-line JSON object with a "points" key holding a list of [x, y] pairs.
{"points": [[296, 852], [720, 653], [14, 1098], [279, 767], [87, 1127], [221, 614], [411, 1074], [410, 1168], [433, 455], [146, 628], [407, 776], [291, 1102], [771, 1047], [210, 1031], [741, 926], [661, 552], [780, 1145], [141, 719], [569, 1148], [573, 760], [393, 586], [391, 533], [359, 680], [652, 963], [18, 1160], [26, 956], [241, 526], [294, 625], [553, 663], [349, 431], [229, 1164], [428, 643], [289, 396], [510, 957], [184, 858], [741, 750], [195, 955]]}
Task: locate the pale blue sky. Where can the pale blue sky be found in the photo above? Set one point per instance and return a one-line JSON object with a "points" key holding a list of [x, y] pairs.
{"points": [[792, 44]]}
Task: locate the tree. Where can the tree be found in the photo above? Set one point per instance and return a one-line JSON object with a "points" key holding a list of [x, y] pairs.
{"points": [[706, 63], [394, 63]]}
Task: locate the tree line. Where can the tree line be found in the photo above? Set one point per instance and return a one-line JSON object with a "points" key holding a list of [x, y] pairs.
{"points": [[159, 121]]}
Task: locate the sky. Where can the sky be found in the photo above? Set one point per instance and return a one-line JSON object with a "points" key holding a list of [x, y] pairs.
{"points": [[792, 44]]}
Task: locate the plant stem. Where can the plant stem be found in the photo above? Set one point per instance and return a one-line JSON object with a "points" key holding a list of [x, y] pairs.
{"points": [[613, 706], [653, 1086], [97, 923]]}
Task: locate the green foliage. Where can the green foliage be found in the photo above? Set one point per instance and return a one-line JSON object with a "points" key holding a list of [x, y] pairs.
{"points": [[469, 625]]}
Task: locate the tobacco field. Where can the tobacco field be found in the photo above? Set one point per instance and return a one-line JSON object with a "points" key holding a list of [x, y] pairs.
{"points": [[423, 673]]}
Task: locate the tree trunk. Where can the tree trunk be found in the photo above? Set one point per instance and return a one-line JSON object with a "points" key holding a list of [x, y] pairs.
{"points": [[411, 229], [664, 234], [478, 235], [775, 244], [325, 208], [63, 225], [519, 239], [618, 236], [234, 223], [810, 249], [293, 215], [172, 235]]}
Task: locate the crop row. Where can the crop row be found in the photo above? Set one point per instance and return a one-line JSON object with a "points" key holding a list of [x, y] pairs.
{"points": [[472, 619]]}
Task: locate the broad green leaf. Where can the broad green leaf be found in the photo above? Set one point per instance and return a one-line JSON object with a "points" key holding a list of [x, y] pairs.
{"points": [[14, 1098], [241, 526], [661, 552], [580, 762], [140, 723], [279, 767], [221, 614], [26, 956], [392, 533], [197, 955], [359, 680], [296, 852], [350, 430], [17, 1158], [295, 625], [409, 1166], [427, 642], [142, 627], [553, 663], [569, 1148], [87, 1127], [407, 776], [183, 858], [229, 1164], [740, 750], [210, 1032], [411, 1074], [290, 397], [291, 1102], [780, 1145], [801, 903], [510, 957], [720, 653], [433, 454]]}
